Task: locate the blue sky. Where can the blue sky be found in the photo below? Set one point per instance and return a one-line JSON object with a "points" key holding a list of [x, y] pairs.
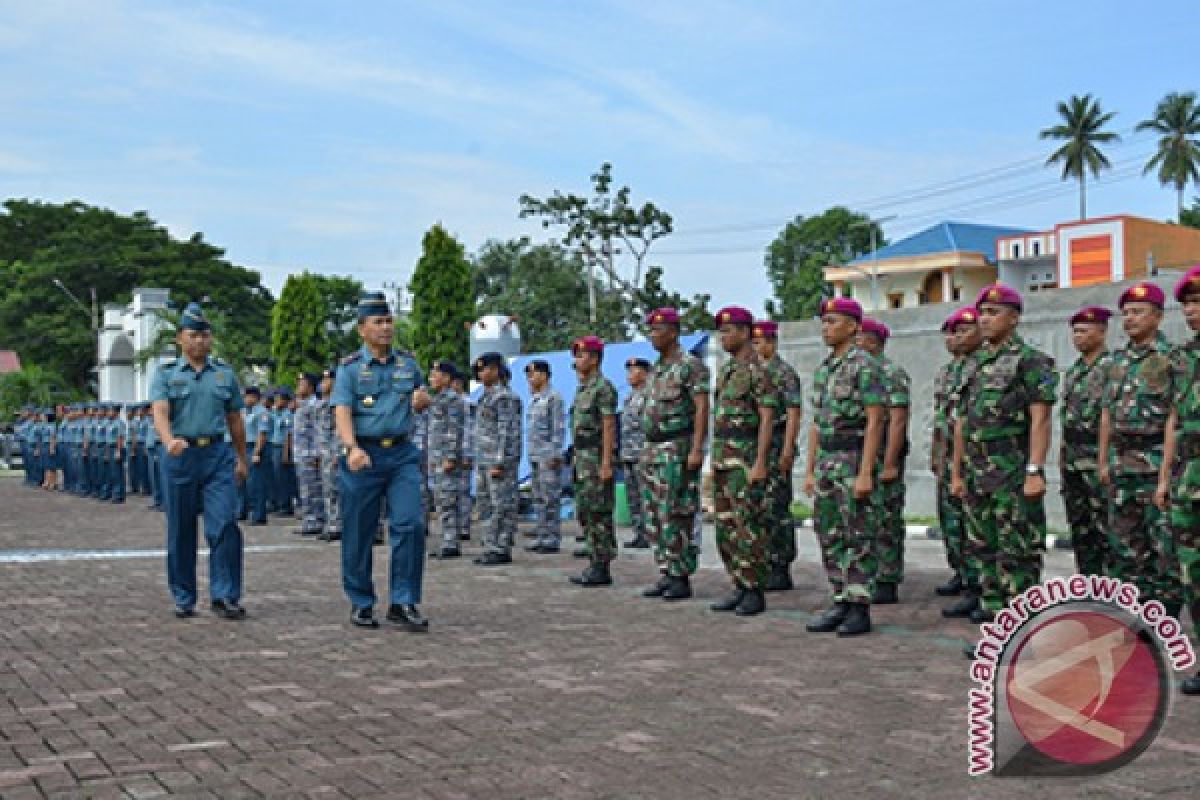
{"points": [[329, 136]]}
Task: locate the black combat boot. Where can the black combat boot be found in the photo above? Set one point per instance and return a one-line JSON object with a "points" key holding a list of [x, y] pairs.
{"points": [[658, 588], [951, 588], [885, 594], [730, 601], [779, 579], [595, 575], [1191, 685], [639, 542], [982, 615], [753, 602], [581, 552], [829, 619], [962, 608], [857, 621], [678, 588]]}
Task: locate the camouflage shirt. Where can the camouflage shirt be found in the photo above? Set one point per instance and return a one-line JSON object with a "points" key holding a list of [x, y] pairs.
{"points": [[789, 394], [1138, 399], [446, 428], [1083, 390], [633, 437], [896, 395], [743, 386], [671, 392], [304, 433], [944, 384], [498, 427], [1000, 385], [594, 401], [843, 387], [544, 426], [1185, 378]]}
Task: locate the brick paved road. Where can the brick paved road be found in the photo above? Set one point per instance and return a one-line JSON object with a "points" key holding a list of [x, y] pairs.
{"points": [[526, 688]]}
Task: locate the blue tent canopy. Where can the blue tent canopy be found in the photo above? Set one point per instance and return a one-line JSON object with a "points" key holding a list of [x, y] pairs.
{"points": [[562, 373]]}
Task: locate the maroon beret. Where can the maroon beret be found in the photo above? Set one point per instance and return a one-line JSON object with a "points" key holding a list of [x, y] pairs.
{"points": [[1097, 315], [964, 316], [663, 316], [876, 327], [766, 328], [1000, 294], [1143, 293], [1189, 283], [846, 306], [587, 344], [735, 315]]}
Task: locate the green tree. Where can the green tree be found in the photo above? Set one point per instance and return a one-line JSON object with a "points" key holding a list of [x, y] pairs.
{"points": [[1177, 122], [1191, 216], [442, 300], [339, 293], [226, 346], [33, 385], [1082, 131], [796, 259], [94, 248], [694, 313], [300, 339]]}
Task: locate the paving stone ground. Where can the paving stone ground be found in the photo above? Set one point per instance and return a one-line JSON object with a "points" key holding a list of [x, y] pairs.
{"points": [[525, 688]]}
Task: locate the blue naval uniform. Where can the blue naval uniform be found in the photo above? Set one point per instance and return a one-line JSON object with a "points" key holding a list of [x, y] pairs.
{"points": [[284, 475], [199, 403], [117, 445], [258, 485], [154, 464], [379, 394]]}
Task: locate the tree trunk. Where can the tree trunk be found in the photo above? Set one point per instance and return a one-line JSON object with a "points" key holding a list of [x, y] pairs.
{"points": [[1082, 195], [1179, 205]]}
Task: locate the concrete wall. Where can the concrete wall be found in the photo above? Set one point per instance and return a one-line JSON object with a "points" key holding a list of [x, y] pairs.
{"points": [[916, 344]]}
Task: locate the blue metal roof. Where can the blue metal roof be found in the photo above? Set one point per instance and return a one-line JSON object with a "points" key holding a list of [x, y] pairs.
{"points": [[945, 237]]}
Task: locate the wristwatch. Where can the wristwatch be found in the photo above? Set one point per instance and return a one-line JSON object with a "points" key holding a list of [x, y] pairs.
{"points": [[1035, 469]]}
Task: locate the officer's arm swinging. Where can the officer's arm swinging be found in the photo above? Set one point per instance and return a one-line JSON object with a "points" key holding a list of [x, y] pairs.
{"points": [[237, 432], [162, 424]]}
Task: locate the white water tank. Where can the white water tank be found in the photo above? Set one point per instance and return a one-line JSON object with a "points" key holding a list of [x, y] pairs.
{"points": [[496, 333]]}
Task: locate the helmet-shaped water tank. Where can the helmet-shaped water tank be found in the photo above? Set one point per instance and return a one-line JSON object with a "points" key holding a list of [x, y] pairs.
{"points": [[495, 333]]}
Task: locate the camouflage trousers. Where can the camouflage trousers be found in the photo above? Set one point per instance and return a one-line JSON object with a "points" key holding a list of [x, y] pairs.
{"points": [[889, 537], [671, 498], [1005, 533], [634, 491], [446, 486], [1142, 550], [950, 521], [594, 501], [1184, 518], [741, 520], [845, 528], [331, 494], [1087, 515], [500, 526], [547, 503], [309, 485], [781, 527], [465, 501]]}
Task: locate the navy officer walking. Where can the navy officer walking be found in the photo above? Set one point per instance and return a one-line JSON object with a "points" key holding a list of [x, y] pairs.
{"points": [[375, 394], [196, 400]]}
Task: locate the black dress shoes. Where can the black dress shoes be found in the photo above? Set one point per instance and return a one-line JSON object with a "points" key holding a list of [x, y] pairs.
{"points": [[408, 617], [228, 609]]}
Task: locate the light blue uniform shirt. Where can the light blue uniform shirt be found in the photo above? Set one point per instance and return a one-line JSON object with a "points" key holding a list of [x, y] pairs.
{"points": [[379, 393], [281, 428], [199, 400]]}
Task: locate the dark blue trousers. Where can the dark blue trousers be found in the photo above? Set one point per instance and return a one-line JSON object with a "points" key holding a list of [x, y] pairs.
{"points": [[259, 485], [394, 474], [154, 467]]}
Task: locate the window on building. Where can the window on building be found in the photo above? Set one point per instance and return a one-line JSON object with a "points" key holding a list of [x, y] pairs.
{"points": [[1016, 249], [1037, 248], [896, 300], [957, 293]]}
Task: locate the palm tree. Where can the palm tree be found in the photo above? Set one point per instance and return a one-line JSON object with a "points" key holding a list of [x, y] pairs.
{"points": [[1177, 120], [1080, 129]]}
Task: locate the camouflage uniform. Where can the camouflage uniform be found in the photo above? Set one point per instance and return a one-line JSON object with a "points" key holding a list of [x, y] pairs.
{"points": [[544, 425], [630, 448], [465, 474], [1006, 532], [671, 492], [949, 507], [420, 438], [889, 542], [1138, 397], [741, 507], [1185, 475], [843, 387], [329, 447], [498, 444], [1084, 498], [444, 442], [781, 528], [307, 454], [594, 401]]}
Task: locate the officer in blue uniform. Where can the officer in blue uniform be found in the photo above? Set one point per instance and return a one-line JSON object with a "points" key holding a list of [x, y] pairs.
{"points": [[258, 425], [375, 393], [154, 464], [283, 474], [196, 401]]}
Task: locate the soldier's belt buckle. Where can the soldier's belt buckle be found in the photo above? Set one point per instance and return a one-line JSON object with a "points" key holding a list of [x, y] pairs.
{"points": [[386, 442], [203, 441]]}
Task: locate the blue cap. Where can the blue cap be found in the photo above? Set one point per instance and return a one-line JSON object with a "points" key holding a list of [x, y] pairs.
{"points": [[373, 304], [193, 319]]}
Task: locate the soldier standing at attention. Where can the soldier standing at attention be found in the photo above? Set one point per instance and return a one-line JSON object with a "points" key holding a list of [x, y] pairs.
{"points": [[374, 395], [1132, 431], [258, 485], [447, 425], [154, 465], [196, 398], [498, 454], [1001, 438], [675, 421], [633, 441], [1082, 398], [307, 453], [468, 463], [545, 429], [1178, 493], [949, 517], [781, 544], [327, 443], [744, 409], [593, 435], [118, 436], [844, 441], [889, 493], [283, 470]]}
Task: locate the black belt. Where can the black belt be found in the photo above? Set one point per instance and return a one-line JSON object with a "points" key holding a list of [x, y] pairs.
{"points": [[658, 437], [1008, 444], [381, 441], [841, 442], [1138, 439], [203, 441], [590, 440], [730, 432], [1080, 436]]}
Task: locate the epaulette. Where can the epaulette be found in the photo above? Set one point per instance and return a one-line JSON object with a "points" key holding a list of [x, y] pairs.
{"points": [[350, 359], [220, 362]]}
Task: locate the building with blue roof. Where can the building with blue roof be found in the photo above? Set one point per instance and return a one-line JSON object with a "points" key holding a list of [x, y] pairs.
{"points": [[946, 263]]}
